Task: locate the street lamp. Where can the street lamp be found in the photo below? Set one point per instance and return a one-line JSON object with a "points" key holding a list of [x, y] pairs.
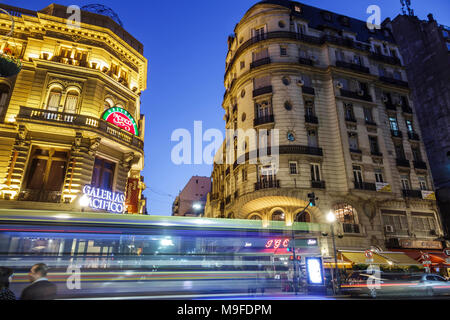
{"points": [[331, 218]]}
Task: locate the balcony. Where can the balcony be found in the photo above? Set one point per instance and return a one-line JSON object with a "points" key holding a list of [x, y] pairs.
{"points": [[352, 66], [394, 82], [275, 184], [264, 120], [420, 165], [261, 91], [357, 151], [371, 123], [308, 90], [40, 196], [77, 120], [351, 228], [403, 163], [318, 184], [345, 42], [365, 186], [412, 194], [407, 110], [355, 95], [350, 119], [314, 151], [385, 59], [376, 153], [259, 63], [390, 106], [413, 136], [311, 119], [306, 61], [396, 134]]}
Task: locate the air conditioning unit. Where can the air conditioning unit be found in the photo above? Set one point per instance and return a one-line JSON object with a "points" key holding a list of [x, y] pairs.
{"points": [[339, 85], [389, 229], [361, 93], [300, 83]]}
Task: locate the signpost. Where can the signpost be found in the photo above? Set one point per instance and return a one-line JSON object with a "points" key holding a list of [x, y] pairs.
{"points": [[369, 256], [426, 262]]}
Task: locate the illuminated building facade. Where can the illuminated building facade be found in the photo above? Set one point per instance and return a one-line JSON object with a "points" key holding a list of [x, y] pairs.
{"points": [[192, 199], [72, 117], [338, 94]]}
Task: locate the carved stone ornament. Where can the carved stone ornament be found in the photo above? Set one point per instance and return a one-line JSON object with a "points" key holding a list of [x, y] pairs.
{"points": [[94, 146]]}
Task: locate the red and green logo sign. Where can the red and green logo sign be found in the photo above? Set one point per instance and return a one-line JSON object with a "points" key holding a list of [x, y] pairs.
{"points": [[122, 119]]}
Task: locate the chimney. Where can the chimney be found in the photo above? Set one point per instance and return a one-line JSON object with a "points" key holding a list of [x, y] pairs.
{"points": [[430, 18]]}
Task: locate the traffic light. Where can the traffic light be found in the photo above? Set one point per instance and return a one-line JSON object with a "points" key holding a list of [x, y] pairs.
{"points": [[312, 199]]}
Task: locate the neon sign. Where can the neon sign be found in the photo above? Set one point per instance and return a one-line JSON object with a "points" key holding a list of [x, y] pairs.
{"points": [[121, 118], [277, 243], [100, 199]]}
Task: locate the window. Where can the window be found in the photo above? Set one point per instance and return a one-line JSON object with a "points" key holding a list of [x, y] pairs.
{"points": [[394, 53], [417, 155], [340, 56], [303, 217], [307, 80], [424, 223], [423, 183], [358, 60], [278, 216], [260, 55], [259, 33], [244, 175], [406, 184], [283, 51], [399, 222], [309, 108], [103, 175], [47, 169], [394, 123], [301, 28], [445, 33], [313, 139], [315, 173], [114, 69], [381, 71], [377, 49], [108, 104], [54, 99], [263, 109], [349, 114], [374, 147], [409, 126], [255, 217], [345, 213], [353, 141], [379, 176], [400, 151], [71, 102], [293, 168], [242, 65], [368, 115], [357, 174], [397, 75], [4, 94]]}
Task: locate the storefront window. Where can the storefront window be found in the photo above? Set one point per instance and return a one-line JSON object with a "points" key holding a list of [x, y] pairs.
{"points": [[278, 216]]}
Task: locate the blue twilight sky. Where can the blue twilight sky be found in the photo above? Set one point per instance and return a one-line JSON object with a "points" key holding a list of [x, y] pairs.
{"points": [[186, 45]]}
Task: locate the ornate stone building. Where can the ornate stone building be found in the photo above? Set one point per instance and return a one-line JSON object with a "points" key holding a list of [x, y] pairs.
{"points": [[72, 117], [338, 94]]}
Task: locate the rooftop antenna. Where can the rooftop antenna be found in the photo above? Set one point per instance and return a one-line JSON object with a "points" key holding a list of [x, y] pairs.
{"points": [[407, 4]]}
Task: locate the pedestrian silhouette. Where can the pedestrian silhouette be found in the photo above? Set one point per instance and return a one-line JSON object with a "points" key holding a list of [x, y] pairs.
{"points": [[40, 288]]}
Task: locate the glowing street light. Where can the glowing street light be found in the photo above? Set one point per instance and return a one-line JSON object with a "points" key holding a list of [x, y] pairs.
{"points": [[331, 217]]}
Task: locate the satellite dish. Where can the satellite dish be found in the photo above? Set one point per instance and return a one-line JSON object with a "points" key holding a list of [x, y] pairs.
{"points": [[103, 10]]}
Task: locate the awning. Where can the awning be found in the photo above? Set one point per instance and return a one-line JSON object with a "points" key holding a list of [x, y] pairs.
{"points": [[358, 257], [328, 264], [436, 257], [400, 258]]}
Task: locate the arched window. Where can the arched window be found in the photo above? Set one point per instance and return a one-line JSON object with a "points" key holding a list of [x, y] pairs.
{"points": [[345, 213], [4, 93], [71, 102], [278, 216], [54, 99], [303, 217], [255, 217]]}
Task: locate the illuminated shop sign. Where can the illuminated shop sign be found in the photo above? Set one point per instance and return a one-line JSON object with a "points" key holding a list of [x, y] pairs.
{"points": [[314, 271], [100, 199], [277, 243], [121, 118]]}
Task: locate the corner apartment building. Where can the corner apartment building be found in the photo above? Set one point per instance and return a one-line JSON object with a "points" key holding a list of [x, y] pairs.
{"points": [[339, 95], [71, 120]]}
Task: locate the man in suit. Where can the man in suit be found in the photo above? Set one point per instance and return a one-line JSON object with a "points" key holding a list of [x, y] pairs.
{"points": [[40, 288]]}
